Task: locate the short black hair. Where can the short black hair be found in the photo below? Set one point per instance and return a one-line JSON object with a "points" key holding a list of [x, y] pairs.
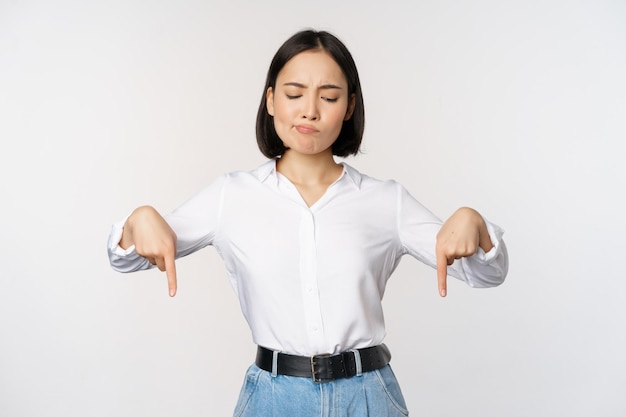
{"points": [[349, 140]]}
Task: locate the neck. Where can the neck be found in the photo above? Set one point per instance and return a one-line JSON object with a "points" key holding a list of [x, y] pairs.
{"points": [[309, 169]]}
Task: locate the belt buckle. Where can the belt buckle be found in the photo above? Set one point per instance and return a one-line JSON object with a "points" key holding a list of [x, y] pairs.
{"points": [[315, 372]]}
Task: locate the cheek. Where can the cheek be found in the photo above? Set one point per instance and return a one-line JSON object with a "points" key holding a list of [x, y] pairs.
{"points": [[338, 116], [283, 110], [283, 106]]}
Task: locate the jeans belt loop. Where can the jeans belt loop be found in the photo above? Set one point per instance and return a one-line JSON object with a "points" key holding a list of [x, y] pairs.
{"points": [[274, 364], [357, 361]]}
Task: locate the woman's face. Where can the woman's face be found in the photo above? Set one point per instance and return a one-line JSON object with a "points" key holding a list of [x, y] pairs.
{"points": [[310, 102]]}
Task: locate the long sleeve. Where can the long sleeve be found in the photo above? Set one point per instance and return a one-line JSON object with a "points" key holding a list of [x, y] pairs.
{"points": [[195, 223], [418, 228]]}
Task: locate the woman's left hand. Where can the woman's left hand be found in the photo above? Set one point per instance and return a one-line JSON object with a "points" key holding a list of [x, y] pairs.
{"points": [[460, 236]]}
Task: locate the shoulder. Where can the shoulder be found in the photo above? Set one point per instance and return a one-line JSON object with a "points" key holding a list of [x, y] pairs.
{"points": [[258, 174], [368, 183]]}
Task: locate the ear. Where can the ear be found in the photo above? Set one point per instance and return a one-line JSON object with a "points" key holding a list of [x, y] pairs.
{"points": [[269, 101], [351, 105]]}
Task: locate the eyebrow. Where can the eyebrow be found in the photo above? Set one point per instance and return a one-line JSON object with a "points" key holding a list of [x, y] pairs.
{"points": [[325, 86]]}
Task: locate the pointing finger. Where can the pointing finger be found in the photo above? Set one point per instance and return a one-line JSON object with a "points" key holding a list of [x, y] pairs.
{"points": [[442, 272], [170, 271]]}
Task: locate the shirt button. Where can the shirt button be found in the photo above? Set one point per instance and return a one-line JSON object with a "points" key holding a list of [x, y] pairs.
{"points": [[314, 328]]}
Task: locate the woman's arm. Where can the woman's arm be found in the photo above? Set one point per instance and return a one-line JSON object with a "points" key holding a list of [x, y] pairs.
{"points": [[466, 246], [459, 237], [146, 239], [153, 239]]}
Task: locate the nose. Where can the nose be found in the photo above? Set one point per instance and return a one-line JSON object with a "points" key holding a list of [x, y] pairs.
{"points": [[310, 110]]}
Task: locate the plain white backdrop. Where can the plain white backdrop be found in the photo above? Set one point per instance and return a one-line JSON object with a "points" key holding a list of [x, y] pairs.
{"points": [[516, 108]]}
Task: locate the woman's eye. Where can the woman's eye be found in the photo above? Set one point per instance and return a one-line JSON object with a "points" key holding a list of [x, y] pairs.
{"points": [[329, 99], [292, 97]]}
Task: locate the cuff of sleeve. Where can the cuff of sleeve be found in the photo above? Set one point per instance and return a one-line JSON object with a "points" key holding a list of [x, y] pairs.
{"points": [[495, 234], [116, 236]]}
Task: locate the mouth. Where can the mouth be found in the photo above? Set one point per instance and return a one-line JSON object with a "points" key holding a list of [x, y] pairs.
{"points": [[307, 129]]}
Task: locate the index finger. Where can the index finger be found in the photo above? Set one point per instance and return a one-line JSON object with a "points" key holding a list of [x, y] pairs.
{"points": [[442, 273], [170, 272]]}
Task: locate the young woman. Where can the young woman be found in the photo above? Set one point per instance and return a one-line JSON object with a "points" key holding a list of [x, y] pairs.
{"points": [[310, 243]]}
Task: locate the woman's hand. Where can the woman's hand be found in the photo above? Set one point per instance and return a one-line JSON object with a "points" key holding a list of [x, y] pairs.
{"points": [[460, 236], [154, 239]]}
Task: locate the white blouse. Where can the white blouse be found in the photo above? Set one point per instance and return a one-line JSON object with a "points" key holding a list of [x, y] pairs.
{"points": [[310, 280]]}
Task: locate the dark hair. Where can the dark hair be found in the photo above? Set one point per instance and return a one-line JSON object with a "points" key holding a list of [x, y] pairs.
{"points": [[349, 140]]}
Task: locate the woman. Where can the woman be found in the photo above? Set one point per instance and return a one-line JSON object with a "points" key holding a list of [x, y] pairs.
{"points": [[310, 243]]}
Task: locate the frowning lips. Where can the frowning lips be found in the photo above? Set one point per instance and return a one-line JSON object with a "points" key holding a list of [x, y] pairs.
{"points": [[306, 129]]}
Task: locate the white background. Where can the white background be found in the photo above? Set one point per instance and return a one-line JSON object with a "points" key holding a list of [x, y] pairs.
{"points": [[516, 108]]}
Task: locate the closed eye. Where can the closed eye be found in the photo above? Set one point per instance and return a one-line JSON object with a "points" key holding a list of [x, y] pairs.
{"points": [[329, 99], [292, 97]]}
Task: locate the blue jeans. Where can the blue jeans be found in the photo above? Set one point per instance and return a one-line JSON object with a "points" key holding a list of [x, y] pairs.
{"points": [[374, 394]]}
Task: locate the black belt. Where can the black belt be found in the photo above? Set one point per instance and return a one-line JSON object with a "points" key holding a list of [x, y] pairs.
{"points": [[324, 368]]}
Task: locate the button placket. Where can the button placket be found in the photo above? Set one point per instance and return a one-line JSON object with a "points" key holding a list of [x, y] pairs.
{"points": [[308, 277]]}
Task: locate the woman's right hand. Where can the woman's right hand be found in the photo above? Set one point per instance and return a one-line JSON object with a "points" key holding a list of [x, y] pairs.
{"points": [[154, 239]]}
